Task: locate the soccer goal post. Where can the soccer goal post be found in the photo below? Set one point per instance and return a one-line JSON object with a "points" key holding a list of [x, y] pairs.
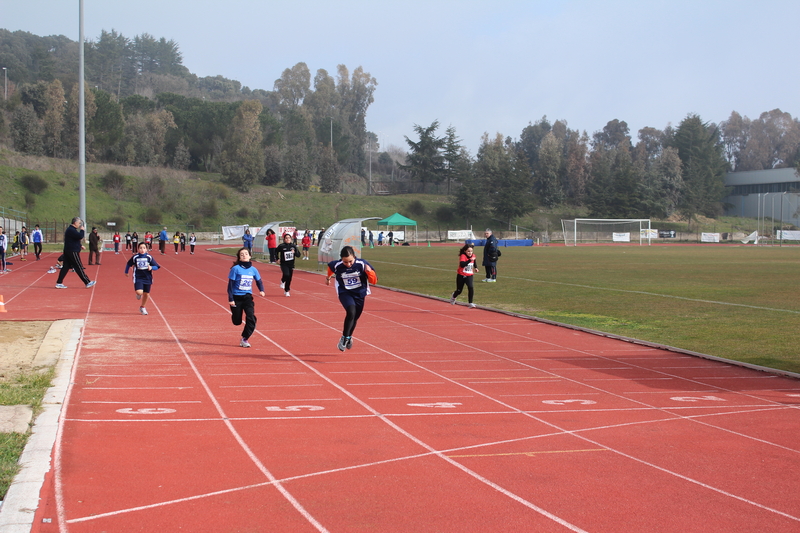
{"points": [[606, 230]]}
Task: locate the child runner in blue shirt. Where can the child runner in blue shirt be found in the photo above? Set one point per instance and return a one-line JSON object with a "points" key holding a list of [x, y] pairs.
{"points": [[240, 294], [353, 277], [144, 264]]}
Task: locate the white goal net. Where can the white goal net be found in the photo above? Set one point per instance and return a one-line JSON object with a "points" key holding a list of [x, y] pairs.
{"points": [[606, 230]]}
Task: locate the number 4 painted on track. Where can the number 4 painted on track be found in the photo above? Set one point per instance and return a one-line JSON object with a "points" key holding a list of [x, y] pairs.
{"points": [[696, 399], [295, 408], [146, 411]]}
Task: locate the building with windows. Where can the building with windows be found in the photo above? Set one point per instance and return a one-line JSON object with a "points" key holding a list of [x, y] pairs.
{"points": [[764, 194]]}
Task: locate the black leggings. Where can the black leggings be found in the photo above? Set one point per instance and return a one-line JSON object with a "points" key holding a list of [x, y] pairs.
{"points": [[244, 305], [353, 307], [460, 282], [286, 278]]}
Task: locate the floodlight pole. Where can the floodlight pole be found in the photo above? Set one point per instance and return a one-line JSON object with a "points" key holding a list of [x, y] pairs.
{"points": [[81, 122], [5, 86]]}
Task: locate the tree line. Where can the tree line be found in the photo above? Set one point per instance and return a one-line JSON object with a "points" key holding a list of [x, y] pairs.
{"points": [[675, 170], [143, 107]]}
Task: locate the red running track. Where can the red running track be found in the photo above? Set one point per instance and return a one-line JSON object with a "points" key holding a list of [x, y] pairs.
{"points": [[440, 418]]}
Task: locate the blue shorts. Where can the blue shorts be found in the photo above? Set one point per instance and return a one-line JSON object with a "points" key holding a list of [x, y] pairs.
{"points": [[348, 298], [141, 286]]}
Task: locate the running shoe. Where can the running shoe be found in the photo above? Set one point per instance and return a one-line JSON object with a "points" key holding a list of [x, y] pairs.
{"points": [[244, 344], [143, 310], [472, 306], [342, 343], [60, 286], [492, 280], [90, 284], [349, 343], [286, 294], [452, 300], [283, 285], [485, 280], [51, 271]]}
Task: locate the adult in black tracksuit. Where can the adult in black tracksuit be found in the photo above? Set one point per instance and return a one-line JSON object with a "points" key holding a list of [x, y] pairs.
{"points": [[490, 254], [286, 253], [73, 238]]}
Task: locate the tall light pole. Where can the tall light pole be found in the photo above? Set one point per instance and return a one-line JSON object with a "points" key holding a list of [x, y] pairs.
{"points": [[5, 87], [81, 123]]}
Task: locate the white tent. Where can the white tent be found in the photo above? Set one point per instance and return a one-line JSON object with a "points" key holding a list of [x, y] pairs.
{"points": [[343, 233], [260, 238]]}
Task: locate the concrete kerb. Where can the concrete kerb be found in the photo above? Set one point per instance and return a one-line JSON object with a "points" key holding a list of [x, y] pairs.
{"points": [[19, 507]]}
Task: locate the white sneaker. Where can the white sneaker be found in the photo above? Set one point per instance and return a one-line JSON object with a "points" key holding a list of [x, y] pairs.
{"points": [[90, 284], [286, 294], [244, 344], [60, 286], [452, 300], [143, 310], [472, 306], [283, 285]]}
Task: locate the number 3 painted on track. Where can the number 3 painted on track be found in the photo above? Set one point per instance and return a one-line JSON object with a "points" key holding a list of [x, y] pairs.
{"points": [[146, 411], [565, 402], [295, 408]]}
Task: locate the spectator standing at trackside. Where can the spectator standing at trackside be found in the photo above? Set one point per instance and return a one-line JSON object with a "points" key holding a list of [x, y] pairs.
{"points": [[491, 253], [94, 246], [128, 241], [287, 252], [240, 294], [320, 237], [23, 244], [134, 241], [390, 238], [117, 239], [3, 248], [163, 237], [363, 237], [148, 239], [144, 264], [371, 239], [380, 239], [247, 241], [465, 274], [38, 239], [353, 277], [306, 244], [183, 242], [73, 238], [272, 244], [192, 243], [176, 240]]}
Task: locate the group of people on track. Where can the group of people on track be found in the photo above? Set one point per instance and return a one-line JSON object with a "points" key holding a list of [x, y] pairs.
{"points": [[352, 276]]}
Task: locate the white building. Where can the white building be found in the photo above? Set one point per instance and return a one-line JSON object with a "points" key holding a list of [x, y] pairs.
{"points": [[764, 194]]}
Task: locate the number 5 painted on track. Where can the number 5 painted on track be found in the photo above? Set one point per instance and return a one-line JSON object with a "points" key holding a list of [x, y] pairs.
{"points": [[295, 408], [565, 402]]}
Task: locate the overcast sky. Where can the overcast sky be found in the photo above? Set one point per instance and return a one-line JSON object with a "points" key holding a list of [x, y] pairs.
{"points": [[481, 66]]}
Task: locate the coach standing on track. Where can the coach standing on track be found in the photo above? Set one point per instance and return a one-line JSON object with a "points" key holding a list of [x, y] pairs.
{"points": [[162, 241], [72, 254], [490, 255]]}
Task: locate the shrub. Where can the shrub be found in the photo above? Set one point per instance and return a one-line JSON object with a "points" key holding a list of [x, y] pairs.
{"points": [[34, 183], [114, 184], [242, 213], [152, 216], [208, 209], [30, 200], [416, 208], [445, 213]]}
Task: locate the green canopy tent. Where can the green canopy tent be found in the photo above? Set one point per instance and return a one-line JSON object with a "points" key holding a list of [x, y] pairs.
{"points": [[399, 220]]}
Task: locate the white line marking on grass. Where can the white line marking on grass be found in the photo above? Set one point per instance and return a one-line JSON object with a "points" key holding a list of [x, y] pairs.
{"points": [[593, 287]]}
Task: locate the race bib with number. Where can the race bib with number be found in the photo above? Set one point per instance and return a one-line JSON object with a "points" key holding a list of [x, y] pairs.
{"points": [[288, 255], [245, 282], [351, 280], [468, 268], [142, 263]]}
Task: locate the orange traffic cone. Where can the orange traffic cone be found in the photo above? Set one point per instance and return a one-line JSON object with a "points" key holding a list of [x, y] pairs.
{"points": [[2, 305]]}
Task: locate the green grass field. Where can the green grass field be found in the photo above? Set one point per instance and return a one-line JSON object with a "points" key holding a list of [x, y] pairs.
{"points": [[736, 302]]}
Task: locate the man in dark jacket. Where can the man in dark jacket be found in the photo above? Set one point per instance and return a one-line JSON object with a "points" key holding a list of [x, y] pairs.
{"points": [[94, 246], [490, 254], [73, 238]]}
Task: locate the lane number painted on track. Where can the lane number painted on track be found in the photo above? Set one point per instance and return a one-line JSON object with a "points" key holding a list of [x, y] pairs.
{"points": [[295, 408], [146, 411], [696, 399], [565, 402], [436, 405]]}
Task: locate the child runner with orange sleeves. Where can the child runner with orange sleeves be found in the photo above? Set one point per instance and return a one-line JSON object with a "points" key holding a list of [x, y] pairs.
{"points": [[240, 294], [464, 274], [144, 264], [353, 278]]}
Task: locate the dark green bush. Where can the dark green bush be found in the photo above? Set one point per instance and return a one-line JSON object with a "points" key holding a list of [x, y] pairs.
{"points": [[34, 183]]}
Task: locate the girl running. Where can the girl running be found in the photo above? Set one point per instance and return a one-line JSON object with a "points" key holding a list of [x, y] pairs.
{"points": [[464, 274], [240, 294], [286, 253], [353, 277], [144, 264]]}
